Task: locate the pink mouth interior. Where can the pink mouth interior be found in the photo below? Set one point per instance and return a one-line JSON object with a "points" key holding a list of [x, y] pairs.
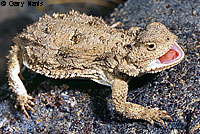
{"points": [[170, 55]]}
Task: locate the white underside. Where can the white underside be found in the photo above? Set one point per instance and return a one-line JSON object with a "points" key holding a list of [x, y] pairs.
{"points": [[17, 83]]}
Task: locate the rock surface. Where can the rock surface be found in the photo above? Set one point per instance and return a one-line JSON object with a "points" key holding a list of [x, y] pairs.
{"points": [[82, 106]]}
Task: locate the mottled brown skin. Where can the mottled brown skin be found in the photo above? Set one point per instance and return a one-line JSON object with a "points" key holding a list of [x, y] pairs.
{"points": [[75, 45]]}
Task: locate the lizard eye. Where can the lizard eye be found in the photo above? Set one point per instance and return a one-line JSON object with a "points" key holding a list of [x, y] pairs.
{"points": [[151, 46]]}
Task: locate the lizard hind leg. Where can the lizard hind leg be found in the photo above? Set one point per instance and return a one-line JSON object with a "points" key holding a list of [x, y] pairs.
{"points": [[14, 81], [133, 31], [134, 111]]}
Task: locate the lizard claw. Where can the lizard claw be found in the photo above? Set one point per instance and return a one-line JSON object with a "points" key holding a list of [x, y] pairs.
{"points": [[155, 115], [25, 102]]}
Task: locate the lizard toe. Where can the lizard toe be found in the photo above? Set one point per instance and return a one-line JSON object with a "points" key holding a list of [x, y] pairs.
{"points": [[158, 119], [164, 114], [29, 108], [151, 121], [25, 102], [30, 97], [155, 115], [25, 112], [31, 102]]}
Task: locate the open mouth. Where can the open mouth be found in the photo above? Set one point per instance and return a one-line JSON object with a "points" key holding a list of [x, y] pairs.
{"points": [[174, 56]]}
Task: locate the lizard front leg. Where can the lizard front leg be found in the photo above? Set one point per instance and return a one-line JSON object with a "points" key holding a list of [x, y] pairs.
{"points": [[131, 110], [15, 83]]}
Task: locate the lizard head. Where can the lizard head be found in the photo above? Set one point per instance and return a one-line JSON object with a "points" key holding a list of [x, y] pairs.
{"points": [[155, 49]]}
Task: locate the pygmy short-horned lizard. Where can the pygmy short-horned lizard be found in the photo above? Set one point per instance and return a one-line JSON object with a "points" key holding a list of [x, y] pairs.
{"points": [[75, 45]]}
